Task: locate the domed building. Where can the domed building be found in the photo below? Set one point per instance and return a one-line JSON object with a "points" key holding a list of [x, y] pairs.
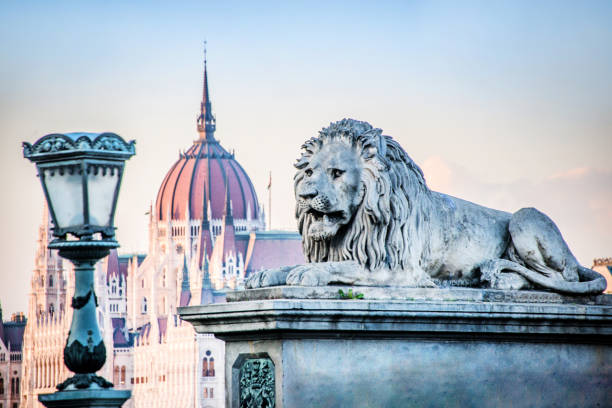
{"points": [[207, 216], [207, 233]]}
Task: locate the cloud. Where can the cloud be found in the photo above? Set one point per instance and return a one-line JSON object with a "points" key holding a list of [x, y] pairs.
{"points": [[571, 174], [579, 200]]}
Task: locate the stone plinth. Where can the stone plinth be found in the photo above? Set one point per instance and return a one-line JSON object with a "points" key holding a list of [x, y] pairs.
{"points": [[412, 347], [105, 398]]}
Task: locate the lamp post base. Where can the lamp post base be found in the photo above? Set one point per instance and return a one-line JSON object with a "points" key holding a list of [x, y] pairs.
{"points": [[93, 397], [82, 381]]}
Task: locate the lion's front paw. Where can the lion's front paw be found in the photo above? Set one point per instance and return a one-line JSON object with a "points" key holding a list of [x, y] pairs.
{"points": [[309, 275], [269, 277], [253, 281]]}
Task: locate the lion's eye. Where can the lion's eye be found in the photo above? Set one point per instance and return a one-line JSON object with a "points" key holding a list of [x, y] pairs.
{"points": [[336, 173], [308, 172]]}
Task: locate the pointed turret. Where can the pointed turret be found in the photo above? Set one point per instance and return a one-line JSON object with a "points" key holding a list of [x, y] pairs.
{"points": [[206, 296], [206, 120], [185, 288], [229, 233], [228, 214], [205, 237], [206, 283]]}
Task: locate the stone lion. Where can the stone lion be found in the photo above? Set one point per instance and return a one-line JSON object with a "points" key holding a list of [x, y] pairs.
{"points": [[367, 217]]}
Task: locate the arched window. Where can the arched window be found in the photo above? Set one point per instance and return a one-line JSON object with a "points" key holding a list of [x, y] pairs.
{"points": [[51, 309], [1, 386], [164, 279], [205, 392], [116, 375], [50, 281], [142, 283], [17, 385], [122, 374], [211, 367], [12, 385], [143, 306], [204, 367]]}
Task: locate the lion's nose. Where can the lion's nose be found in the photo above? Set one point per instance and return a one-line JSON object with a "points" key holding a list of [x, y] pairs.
{"points": [[308, 193]]}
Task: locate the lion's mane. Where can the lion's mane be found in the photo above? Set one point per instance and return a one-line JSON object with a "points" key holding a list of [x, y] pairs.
{"points": [[385, 229]]}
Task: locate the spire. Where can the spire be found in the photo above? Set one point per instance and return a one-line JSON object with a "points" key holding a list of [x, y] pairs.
{"points": [[206, 294], [206, 120], [204, 207], [206, 283], [185, 284], [228, 213], [229, 237], [205, 238], [185, 289]]}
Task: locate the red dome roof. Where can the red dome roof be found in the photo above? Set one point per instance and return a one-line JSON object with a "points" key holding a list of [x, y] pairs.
{"points": [[201, 175]]}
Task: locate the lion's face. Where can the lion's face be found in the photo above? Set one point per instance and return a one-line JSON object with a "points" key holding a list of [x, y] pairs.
{"points": [[330, 190]]}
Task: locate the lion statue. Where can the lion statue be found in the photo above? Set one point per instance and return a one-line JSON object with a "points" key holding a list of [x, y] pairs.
{"points": [[367, 217]]}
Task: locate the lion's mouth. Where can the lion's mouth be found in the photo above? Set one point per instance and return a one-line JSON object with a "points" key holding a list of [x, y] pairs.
{"points": [[324, 225], [333, 217]]}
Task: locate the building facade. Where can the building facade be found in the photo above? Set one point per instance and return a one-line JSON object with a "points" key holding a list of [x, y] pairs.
{"points": [[11, 338], [604, 267], [206, 234]]}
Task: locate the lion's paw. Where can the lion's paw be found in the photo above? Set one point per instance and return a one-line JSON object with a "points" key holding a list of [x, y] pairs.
{"points": [[268, 277], [253, 281], [309, 275]]}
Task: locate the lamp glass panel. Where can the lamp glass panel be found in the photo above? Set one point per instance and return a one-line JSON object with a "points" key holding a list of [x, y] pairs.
{"points": [[65, 195], [101, 185]]}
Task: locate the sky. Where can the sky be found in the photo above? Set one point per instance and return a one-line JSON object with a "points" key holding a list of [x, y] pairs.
{"points": [[503, 103]]}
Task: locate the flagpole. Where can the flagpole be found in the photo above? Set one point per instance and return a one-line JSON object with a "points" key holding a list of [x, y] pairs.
{"points": [[270, 202]]}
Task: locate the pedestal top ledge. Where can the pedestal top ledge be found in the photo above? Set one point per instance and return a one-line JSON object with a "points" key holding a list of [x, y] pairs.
{"points": [[93, 397], [287, 311]]}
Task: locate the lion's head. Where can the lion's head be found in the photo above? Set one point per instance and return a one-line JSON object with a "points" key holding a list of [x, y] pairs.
{"points": [[355, 191]]}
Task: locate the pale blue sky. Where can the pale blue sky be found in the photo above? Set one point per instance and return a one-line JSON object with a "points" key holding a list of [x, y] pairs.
{"points": [[503, 103]]}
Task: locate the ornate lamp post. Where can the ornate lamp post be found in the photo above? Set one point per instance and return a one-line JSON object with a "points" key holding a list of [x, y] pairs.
{"points": [[81, 174]]}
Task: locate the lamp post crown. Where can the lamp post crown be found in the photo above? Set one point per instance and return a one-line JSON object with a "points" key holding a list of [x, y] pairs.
{"points": [[57, 146], [80, 174]]}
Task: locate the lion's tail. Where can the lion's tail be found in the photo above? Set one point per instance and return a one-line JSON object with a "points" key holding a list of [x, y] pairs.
{"points": [[591, 282]]}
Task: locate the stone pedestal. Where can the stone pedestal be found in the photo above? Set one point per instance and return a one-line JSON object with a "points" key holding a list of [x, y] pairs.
{"points": [[305, 347], [105, 398]]}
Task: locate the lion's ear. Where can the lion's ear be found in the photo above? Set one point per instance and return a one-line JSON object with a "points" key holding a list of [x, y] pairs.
{"points": [[301, 163]]}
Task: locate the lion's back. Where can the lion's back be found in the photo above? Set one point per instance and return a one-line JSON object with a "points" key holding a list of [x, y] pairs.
{"points": [[468, 234]]}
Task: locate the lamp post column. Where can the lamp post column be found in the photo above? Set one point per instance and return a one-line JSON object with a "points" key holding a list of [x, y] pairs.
{"points": [[84, 353]]}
